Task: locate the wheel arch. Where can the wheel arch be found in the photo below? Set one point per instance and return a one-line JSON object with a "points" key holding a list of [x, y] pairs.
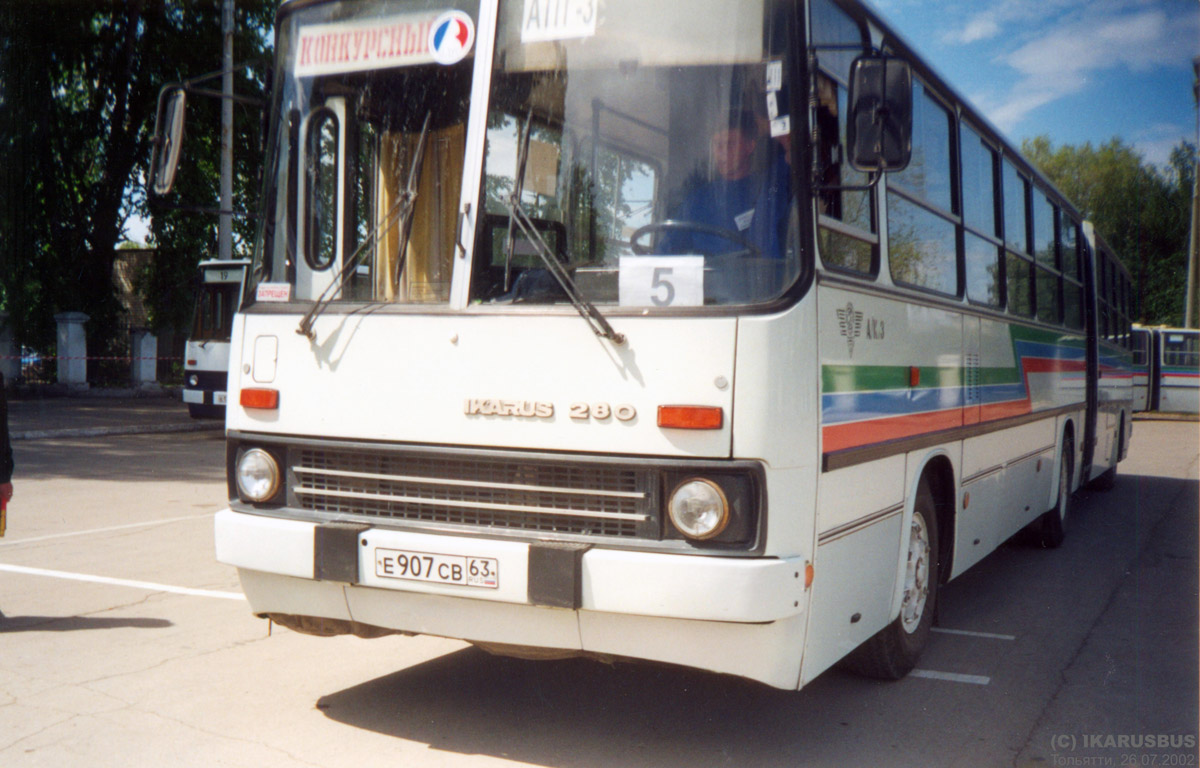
{"points": [[938, 470]]}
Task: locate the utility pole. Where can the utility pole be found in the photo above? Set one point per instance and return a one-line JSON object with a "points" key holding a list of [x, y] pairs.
{"points": [[1190, 311], [225, 227]]}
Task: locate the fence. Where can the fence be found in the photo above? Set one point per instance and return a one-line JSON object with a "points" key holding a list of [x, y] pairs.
{"points": [[123, 361]]}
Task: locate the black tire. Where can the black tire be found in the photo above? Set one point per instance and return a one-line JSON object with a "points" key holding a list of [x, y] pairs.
{"points": [[893, 652], [1108, 480], [1052, 525]]}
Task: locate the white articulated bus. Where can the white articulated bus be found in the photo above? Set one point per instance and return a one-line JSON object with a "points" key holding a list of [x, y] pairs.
{"points": [[719, 333], [219, 286], [1166, 369]]}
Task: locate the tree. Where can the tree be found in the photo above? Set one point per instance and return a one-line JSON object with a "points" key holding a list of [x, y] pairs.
{"points": [[77, 104], [1140, 209]]}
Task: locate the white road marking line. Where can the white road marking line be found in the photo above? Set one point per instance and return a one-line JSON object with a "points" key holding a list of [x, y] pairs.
{"points": [[969, 633], [11, 542], [121, 582], [952, 677]]}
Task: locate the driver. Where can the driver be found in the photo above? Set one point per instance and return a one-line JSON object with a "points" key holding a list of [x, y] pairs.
{"points": [[738, 199]]}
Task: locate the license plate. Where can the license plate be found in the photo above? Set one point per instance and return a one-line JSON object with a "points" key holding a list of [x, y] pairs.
{"points": [[439, 569]]}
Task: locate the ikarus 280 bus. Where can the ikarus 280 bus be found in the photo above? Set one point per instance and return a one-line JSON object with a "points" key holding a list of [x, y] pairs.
{"points": [[719, 333]]}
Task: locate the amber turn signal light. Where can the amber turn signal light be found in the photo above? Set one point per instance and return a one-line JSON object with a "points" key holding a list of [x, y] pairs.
{"points": [[265, 399], [690, 416]]}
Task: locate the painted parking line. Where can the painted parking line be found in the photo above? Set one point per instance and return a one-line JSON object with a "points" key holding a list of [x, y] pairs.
{"points": [[109, 529], [969, 633], [951, 677], [148, 585]]}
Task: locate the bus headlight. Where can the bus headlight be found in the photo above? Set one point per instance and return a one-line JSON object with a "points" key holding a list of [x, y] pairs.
{"points": [[193, 380], [699, 509], [257, 475]]}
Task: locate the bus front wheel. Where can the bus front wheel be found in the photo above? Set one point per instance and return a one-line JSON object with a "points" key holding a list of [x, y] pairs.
{"points": [[893, 652]]}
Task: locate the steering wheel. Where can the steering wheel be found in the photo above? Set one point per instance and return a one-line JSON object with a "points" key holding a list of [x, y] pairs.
{"points": [[678, 225]]}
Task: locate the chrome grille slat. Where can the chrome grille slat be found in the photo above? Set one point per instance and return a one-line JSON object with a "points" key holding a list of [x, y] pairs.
{"points": [[467, 483], [469, 504], [540, 495]]}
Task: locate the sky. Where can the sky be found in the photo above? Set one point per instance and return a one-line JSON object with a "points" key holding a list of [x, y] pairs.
{"points": [[1076, 71]]}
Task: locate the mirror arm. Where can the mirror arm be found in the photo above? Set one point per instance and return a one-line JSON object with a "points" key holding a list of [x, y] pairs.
{"points": [[873, 181], [250, 100]]}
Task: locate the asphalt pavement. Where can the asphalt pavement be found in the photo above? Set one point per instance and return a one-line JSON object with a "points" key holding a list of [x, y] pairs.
{"points": [[98, 415]]}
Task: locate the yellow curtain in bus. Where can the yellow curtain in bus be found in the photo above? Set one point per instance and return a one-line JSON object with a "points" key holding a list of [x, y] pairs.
{"points": [[430, 256]]}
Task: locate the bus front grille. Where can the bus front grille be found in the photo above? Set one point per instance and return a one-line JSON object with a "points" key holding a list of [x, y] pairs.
{"points": [[537, 496]]}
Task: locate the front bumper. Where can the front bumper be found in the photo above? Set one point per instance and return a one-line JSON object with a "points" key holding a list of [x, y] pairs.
{"points": [[739, 615]]}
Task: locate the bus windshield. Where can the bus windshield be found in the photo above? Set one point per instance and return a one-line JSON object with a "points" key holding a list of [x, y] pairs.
{"points": [[645, 148], [368, 155]]}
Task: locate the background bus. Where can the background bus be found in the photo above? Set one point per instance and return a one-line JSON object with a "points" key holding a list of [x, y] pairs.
{"points": [[1166, 365], [640, 334], [219, 287]]}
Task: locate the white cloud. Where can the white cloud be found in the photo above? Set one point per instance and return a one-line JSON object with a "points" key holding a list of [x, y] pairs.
{"points": [[1156, 142], [981, 27], [1127, 34]]}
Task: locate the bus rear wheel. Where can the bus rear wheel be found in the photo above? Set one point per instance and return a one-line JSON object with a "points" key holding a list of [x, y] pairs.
{"points": [[893, 652], [1052, 525]]}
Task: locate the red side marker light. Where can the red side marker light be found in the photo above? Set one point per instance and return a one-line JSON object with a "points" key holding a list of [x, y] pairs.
{"points": [[914, 376], [265, 399], [690, 416]]}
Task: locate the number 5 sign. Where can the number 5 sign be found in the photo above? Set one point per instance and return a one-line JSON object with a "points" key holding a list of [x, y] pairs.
{"points": [[661, 281]]}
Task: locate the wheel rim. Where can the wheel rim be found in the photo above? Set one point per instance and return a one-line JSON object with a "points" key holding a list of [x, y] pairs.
{"points": [[916, 576]]}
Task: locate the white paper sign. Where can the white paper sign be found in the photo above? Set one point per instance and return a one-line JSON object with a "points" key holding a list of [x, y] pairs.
{"points": [[774, 75], [547, 20], [661, 281], [273, 292]]}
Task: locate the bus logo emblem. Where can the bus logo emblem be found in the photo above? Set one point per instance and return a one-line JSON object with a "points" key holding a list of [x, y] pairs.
{"points": [[451, 36], [850, 322]]}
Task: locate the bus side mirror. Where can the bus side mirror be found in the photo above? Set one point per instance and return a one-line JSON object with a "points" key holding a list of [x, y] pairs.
{"points": [[880, 122], [168, 135]]}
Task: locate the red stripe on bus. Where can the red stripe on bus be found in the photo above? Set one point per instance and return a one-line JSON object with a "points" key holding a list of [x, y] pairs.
{"points": [[840, 436]]}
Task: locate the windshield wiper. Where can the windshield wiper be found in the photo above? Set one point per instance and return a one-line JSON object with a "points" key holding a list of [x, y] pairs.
{"points": [[400, 212], [517, 215], [585, 308]]}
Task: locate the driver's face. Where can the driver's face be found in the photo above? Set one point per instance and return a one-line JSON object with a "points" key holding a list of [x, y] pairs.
{"points": [[732, 150]]}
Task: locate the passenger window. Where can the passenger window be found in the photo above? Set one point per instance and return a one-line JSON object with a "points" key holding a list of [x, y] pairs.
{"points": [[921, 247], [978, 183], [981, 254], [983, 270], [922, 250], [1020, 298], [928, 174], [1014, 209], [1044, 245]]}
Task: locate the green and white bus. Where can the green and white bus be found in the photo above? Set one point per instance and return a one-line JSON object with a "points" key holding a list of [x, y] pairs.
{"points": [[720, 333]]}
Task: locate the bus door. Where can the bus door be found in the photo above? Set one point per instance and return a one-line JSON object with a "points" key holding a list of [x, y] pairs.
{"points": [[1092, 366]]}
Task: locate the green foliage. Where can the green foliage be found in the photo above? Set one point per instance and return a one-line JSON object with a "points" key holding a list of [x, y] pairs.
{"points": [[77, 104], [1142, 210]]}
